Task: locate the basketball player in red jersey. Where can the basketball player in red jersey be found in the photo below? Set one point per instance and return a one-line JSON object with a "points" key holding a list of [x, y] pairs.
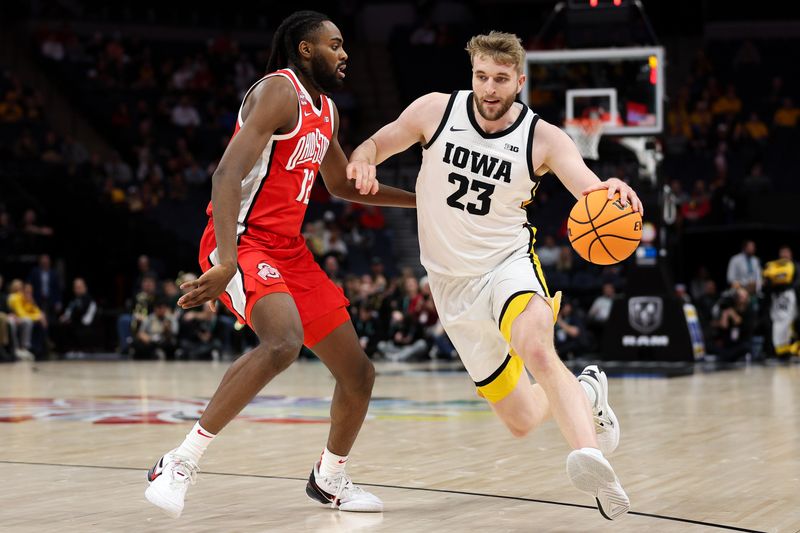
{"points": [[256, 262]]}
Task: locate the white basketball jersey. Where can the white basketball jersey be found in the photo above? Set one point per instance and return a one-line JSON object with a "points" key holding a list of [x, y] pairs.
{"points": [[472, 190]]}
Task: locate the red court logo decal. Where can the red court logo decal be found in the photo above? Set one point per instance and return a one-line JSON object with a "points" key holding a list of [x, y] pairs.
{"points": [[262, 409]]}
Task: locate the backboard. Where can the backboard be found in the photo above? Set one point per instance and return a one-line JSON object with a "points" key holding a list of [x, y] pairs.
{"points": [[624, 86]]}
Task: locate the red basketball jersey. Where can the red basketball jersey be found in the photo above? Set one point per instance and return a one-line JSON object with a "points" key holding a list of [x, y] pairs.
{"points": [[275, 192]]}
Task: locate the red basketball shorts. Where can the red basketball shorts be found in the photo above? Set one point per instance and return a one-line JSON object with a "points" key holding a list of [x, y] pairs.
{"points": [[271, 263]]}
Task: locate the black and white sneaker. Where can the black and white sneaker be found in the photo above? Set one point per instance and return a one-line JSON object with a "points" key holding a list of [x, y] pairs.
{"points": [[169, 480], [606, 424], [592, 474], [339, 492]]}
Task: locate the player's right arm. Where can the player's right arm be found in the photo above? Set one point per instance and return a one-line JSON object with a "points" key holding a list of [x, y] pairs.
{"points": [[416, 124], [267, 109]]}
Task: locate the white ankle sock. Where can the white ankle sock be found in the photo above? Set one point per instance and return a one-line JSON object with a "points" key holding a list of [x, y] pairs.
{"points": [[594, 452], [330, 463], [195, 443], [590, 393]]}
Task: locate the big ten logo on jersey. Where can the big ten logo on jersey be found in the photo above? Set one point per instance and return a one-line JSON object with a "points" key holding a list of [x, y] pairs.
{"points": [[265, 270], [310, 147]]}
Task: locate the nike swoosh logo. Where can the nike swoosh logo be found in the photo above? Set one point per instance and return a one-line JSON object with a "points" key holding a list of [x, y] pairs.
{"points": [[342, 461], [200, 431], [305, 114], [457, 129]]}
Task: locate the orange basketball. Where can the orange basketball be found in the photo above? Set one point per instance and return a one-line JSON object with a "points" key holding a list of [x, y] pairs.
{"points": [[602, 231]]}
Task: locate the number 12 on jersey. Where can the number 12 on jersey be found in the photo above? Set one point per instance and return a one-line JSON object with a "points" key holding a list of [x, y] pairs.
{"points": [[485, 191], [305, 187]]}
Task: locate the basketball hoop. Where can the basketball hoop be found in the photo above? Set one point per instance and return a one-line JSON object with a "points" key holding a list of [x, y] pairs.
{"points": [[586, 133]]}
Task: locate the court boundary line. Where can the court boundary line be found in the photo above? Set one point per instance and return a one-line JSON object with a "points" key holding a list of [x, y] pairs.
{"points": [[423, 489]]}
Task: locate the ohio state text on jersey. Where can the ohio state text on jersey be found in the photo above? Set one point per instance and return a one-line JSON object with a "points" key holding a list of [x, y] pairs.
{"points": [[276, 190]]}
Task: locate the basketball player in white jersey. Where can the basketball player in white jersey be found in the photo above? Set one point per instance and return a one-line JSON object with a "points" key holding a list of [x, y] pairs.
{"points": [[483, 158]]}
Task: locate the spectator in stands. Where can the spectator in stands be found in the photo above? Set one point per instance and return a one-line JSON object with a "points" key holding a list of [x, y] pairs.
{"points": [[74, 152], [157, 335], [756, 182], [366, 325], [33, 237], [195, 333], [26, 147], [728, 104], [143, 270], [787, 115], [129, 323], [331, 267], [8, 235], [245, 75], [424, 34], [121, 117], [405, 340], [681, 292], [184, 114], [570, 331], [170, 291], [313, 233], [78, 320], [194, 174], [601, 307], [30, 320], [47, 289], [744, 268], [548, 252], [697, 283], [332, 243], [753, 129], [705, 303], [747, 57], [119, 170], [31, 226], [147, 166], [734, 324], [52, 48], [7, 347], [699, 205], [11, 110], [52, 149], [700, 121], [565, 260]]}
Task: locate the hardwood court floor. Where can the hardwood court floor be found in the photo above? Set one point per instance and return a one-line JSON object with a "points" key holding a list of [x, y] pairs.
{"points": [[707, 452]]}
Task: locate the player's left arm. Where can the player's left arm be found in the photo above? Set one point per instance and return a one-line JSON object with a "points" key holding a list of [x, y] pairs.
{"points": [[555, 150], [367, 191]]}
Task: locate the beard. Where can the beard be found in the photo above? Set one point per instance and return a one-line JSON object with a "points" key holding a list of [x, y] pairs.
{"points": [[505, 105], [324, 77]]}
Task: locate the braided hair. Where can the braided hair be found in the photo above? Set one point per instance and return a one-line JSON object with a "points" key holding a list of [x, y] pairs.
{"points": [[297, 27]]}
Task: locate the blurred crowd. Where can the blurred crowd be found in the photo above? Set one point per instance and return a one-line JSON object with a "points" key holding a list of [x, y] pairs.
{"points": [[731, 128], [168, 111]]}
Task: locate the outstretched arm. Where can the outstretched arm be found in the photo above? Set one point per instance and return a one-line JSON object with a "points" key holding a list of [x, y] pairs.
{"points": [[554, 150], [366, 190], [415, 124]]}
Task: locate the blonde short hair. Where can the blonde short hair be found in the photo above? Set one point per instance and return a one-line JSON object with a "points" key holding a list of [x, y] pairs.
{"points": [[503, 48]]}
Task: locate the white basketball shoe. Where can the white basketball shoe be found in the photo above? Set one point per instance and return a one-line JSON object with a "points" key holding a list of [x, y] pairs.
{"points": [[169, 480], [605, 421], [340, 493], [593, 475]]}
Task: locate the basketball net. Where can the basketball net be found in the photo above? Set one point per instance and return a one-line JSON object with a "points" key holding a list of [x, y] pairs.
{"points": [[586, 133]]}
